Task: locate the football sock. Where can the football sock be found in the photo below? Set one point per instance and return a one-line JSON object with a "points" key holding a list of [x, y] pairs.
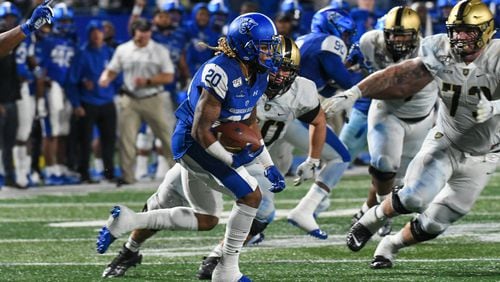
{"points": [[373, 219], [237, 229], [216, 251], [132, 245], [311, 200]]}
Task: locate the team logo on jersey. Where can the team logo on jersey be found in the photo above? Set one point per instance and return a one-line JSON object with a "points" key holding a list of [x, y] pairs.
{"points": [[246, 103], [255, 93], [438, 135], [237, 82], [246, 25], [465, 71], [267, 107]]}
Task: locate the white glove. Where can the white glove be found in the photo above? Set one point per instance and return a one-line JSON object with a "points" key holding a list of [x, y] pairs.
{"points": [[306, 170], [486, 109], [341, 103]]}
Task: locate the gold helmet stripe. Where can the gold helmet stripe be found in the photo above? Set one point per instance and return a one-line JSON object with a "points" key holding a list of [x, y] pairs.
{"points": [[399, 18]]}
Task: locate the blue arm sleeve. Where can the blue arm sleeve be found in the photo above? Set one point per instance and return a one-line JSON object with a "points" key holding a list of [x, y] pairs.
{"points": [[335, 70], [72, 87]]}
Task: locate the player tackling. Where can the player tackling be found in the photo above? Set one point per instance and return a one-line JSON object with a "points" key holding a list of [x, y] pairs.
{"points": [[459, 154]]}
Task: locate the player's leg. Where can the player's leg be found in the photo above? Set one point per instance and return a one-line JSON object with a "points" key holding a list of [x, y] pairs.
{"points": [[243, 187], [26, 116], [457, 198], [336, 158], [168, 195], [426, 176]]}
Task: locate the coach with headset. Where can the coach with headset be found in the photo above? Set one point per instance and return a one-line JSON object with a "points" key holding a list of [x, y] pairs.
{"points": [[146, 67]]}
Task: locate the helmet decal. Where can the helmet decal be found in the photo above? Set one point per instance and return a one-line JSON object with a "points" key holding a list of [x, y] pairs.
{"points": [[246, 25]]}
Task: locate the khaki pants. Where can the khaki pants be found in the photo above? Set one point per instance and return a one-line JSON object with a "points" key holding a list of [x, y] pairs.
{"points": [[132, 111]]}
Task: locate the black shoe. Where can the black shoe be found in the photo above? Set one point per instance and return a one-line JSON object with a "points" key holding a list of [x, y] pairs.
{"points": [[358, 236], [380, 262], [356, 217], [120, 182], [123, 261], [207, 268]]}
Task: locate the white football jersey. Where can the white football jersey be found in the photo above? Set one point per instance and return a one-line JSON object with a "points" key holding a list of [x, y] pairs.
{"points": [[373, 47], [460, 87], [275, 114]]}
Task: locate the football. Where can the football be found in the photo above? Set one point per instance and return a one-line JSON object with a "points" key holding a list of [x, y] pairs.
{"points": [[234, 136]]}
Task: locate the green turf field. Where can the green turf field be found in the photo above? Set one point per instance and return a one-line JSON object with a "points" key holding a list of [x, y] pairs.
{"points": [[52, 238]]}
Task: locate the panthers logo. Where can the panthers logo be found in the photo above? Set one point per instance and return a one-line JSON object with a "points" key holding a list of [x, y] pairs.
{"points": [[247, 24]]}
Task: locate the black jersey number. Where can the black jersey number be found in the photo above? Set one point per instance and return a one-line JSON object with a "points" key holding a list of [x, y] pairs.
{"points": [[213, 78], [457, 90], [272, 127]]}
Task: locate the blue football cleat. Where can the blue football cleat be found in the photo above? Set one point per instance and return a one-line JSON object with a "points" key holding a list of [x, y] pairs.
{"points": [[316, 233], [244, 279], [105, 238]]}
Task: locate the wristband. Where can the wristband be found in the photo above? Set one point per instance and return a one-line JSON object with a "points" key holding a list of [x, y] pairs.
{"points": [[265, 158], [356, 91], [217, 150]]}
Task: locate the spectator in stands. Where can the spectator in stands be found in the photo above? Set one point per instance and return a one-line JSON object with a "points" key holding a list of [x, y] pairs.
{"points": [[91, 103], [219, 14], [109, 34], [146, 66]]}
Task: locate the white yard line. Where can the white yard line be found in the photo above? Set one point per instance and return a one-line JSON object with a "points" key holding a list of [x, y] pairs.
{"points": [[299, 261]]}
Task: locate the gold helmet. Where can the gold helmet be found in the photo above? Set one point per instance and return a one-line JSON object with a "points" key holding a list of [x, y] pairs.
{"points": [[473, 18], [281, 80], [401, 31]]}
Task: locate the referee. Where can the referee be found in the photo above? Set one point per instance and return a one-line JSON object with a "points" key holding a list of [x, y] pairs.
{"points": [[146, 67]]}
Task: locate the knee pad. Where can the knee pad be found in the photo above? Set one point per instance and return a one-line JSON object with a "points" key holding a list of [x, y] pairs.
{"points": [[396, 202], [257, 227], [418, 232], [380, 175]]}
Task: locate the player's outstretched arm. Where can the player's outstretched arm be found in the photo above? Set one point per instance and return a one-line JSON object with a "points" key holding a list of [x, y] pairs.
{"points": [[10, 39], [397, 81]]}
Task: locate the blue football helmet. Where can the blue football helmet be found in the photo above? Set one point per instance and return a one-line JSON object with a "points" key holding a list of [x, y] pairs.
{"points": [[218, 7], [248, 34], [172, 5], [340, 4], [8, 9], [64, 18], [292, 8], [334, 22]]}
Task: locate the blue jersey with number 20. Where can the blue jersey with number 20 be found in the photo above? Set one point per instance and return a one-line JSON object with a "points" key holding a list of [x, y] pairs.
{"points": [[223, 78]]}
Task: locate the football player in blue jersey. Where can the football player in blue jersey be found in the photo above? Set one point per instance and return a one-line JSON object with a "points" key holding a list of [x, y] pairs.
{"points": [[219, 13], [11, 38], [225, 89], [199, 30], [58, 50], [323, 53]]}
